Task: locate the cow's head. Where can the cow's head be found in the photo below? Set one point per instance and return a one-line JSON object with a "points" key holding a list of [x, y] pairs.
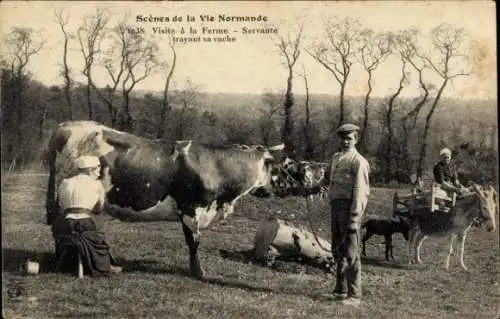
{"points": [[264, 181], [306, 174], [284, 174], [488, 199]]}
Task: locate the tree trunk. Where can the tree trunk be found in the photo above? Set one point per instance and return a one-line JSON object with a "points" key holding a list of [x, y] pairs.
{"points": [[341, 105], [42, 121], [19, 108], [307, 130], [89, 100], [409, 122], [423, 147], [165, 108], [362, 138], [388, 150], [67, 80], [128, 123], [288, 125]]}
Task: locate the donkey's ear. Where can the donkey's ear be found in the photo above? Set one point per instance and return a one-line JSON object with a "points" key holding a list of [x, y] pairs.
{"points": [[477, 188], [492, 190]]}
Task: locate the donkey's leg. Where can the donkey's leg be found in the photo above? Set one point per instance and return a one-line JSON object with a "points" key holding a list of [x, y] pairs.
{"points": [[413, 233], [411, 242], [462, 237], [418, 242], [450, 251]]}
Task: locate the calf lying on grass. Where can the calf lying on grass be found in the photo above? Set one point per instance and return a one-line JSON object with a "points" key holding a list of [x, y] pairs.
{"points": [[376, 225]]}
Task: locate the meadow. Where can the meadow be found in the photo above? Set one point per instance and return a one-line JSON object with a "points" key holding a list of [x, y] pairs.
{"points": [[155, 281]]}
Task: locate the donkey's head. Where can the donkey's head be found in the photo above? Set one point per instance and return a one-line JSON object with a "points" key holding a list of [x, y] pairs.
{"points": [[488, 202]]}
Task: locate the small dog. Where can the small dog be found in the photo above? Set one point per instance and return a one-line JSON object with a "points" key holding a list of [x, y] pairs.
{"points": [[386, 227]]}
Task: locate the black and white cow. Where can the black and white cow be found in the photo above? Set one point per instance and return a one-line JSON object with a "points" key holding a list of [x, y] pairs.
{"points": [[140, 174], [309, 177]]}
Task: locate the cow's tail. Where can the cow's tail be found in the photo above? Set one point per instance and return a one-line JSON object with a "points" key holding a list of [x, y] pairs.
{"points": [[56, 144]]}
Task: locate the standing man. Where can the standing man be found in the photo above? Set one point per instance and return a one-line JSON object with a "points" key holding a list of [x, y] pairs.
{"points": [[348, 195]]}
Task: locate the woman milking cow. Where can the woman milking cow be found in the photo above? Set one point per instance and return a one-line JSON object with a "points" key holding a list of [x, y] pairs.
{"points": [[79, 198]]}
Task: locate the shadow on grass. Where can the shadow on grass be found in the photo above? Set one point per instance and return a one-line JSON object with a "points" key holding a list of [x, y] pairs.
{"points": [[294, 264], [383, 263], [13, 259], [150, 266], [154, 267]]}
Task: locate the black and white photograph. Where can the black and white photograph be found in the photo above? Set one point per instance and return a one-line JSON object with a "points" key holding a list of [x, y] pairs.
{"points": [[249, 159]]}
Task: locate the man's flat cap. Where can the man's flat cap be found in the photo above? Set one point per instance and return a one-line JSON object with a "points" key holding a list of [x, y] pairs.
{"points": [[347, 128]]}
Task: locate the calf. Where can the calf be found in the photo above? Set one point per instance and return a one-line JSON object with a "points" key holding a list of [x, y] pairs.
{"points": [[376, 225]]}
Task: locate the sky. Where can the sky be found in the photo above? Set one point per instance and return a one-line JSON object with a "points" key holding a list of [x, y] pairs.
{"points": [[252, 64]]}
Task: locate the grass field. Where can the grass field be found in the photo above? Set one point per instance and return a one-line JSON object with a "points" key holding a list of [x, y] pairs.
{"points": [[155, 283]]}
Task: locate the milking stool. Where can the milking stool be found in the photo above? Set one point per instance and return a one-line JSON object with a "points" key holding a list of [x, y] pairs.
{"points": [[65, 247]]}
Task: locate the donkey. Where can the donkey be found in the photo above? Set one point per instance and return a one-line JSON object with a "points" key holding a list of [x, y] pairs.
{"points": [[477, 208]]}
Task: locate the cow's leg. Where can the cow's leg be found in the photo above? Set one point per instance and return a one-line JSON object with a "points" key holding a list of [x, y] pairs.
{"points": [[367, 236], [193, 241], [419, 241], [450, 252], [51, 202], [461, 237]]}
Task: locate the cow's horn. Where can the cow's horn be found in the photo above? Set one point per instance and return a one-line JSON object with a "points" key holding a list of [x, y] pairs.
{"points": [[277, 147]]}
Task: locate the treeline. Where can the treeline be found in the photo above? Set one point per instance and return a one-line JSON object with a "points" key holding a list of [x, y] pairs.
{"points": [[400, 137], [470, 128]]}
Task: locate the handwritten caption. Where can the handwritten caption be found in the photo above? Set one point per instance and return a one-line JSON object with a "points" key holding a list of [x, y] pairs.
{"points": [[204, 27]]}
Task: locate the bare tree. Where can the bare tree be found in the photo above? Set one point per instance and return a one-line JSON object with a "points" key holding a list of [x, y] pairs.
{"points": [[140, 62], [406, 44], [388, 145], [165, 108], [22, 44], [130, 59], [407, 47], [62, 19], [290, 50], [90, 35], [272, 107], [375, 48], [450, 62], [338, 52], [187, 98], [309, 149]]}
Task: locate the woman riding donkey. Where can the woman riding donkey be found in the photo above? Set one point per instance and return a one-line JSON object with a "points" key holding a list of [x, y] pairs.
{"points": [[446, 179]]}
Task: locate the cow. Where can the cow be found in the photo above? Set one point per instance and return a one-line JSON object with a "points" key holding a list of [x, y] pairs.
{"points": [[205, 181], [476, 208], [308, 178]]}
